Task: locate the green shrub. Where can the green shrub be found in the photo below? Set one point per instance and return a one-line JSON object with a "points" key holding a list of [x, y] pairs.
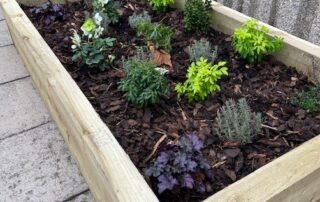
{"points": [[143, 84], [200, 49], [308, 100], [160, 5], [135, 19], [197, 15], [202, 80], [252, 42], [90, 48], [236, 122], [156, 33], [108, 10]]}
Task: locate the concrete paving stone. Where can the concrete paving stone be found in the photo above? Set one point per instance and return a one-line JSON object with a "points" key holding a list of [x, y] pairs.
{"points": [[11, 66], [1, 14], [21, 108], [36, 166], [86, 197], [5, 38]]}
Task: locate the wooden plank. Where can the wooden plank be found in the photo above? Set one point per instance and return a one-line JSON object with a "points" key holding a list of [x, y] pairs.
{"points": [[108, 170], [293, 177], [298, 53]]}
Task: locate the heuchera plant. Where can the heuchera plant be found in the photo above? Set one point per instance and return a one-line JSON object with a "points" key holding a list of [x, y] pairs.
{"points": [[90, 48], [177, 164], [49, 12], [253, 43]]}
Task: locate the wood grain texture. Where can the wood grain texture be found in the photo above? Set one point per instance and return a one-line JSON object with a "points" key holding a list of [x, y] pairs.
{"points": [[293, 177], [298, 53], [109, 172]]}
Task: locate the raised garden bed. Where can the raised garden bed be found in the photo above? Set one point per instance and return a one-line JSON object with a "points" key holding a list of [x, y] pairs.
{"points": [[112, 176]]}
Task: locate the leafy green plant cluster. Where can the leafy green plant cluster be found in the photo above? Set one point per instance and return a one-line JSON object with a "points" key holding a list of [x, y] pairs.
{"points": [[197, 15], [90, 48], [160, 5], [143, 84], [202, 48], [308, 100], [202, 78], [236, 122], [156, 33], [108, 9], [136, 19], [253, 43]]}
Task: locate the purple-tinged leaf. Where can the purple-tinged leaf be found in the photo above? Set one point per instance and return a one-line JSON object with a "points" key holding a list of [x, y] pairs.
{"points": [[201, 188], [166, 182], [180, 160], [187, 181], [56, 7], [47, 21], [163, 158], [195, 140], [191, 165]]}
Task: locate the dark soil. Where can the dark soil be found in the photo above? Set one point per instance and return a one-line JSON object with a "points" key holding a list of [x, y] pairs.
{"points": [[267, 86]]}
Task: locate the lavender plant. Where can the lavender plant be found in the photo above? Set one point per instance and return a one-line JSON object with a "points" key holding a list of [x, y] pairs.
{"points": [[136, 19], [177, 164], [202, 48], [236, 122]]}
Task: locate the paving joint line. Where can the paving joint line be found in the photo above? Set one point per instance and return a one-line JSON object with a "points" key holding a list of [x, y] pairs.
{"points": [[26, 130], [18, 79], [6, 45], [74, 196]]}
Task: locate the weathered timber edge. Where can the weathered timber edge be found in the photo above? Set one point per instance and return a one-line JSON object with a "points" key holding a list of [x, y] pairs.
{"points": [[110, 174]]}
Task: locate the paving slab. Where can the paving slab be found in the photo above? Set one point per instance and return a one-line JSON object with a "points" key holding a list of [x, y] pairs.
{"points": [[1, 15], [37, 166], [21, 108], [85, 197], [5, 38], [11, 66]]}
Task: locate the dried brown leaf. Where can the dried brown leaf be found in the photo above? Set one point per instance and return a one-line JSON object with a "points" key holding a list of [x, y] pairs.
{"points": [[161, 57]]}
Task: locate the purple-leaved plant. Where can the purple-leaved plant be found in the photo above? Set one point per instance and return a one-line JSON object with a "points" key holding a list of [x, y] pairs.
{"points": [[49, 12], [177, 164]]}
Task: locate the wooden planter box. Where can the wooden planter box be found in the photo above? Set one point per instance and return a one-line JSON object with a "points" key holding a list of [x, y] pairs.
{"points": [[108, 170]]}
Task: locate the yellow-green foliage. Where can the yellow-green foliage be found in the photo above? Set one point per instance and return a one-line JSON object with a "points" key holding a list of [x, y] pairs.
{"points": [[202, 78], [160, 5], [252, 42]]}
